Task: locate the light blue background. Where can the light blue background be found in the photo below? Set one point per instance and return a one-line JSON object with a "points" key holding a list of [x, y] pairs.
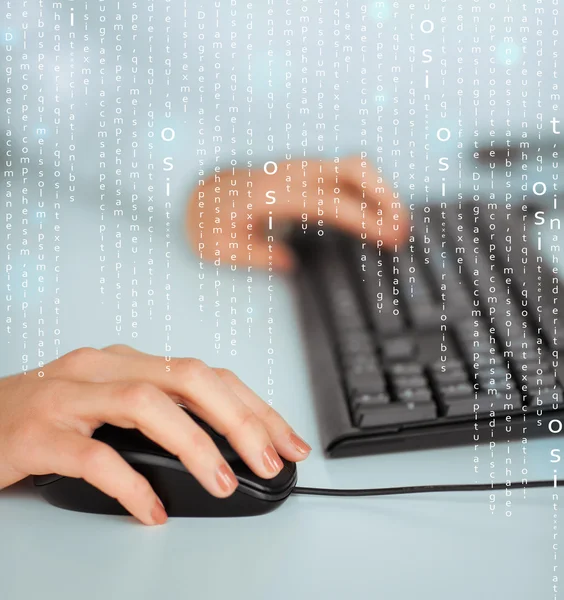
{"points": [[437, 546]]}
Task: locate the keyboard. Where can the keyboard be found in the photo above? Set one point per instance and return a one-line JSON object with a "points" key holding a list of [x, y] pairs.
{"points": [[451, 339]]}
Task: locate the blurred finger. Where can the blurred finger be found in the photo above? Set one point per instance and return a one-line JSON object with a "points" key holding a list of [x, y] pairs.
{"points": [[263, 255], [366, 181]]}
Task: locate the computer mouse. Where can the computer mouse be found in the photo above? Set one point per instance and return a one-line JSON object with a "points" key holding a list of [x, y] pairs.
{"points": [[180, 492]]}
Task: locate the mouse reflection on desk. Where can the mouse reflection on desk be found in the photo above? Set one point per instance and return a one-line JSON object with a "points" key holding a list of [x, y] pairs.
{"points": [[180, 492]]}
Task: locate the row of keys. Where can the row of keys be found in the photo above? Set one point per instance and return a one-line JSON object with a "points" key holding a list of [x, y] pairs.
{"points": [[386, 312]]}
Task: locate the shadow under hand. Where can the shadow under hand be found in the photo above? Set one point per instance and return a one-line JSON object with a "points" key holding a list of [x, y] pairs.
{"points": [[21, 489]]}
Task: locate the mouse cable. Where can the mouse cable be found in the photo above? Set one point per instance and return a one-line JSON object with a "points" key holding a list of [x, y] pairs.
{"points": [[422, 489]]}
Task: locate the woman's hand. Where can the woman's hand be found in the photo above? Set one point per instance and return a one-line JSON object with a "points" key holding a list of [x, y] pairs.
{"points": [[232, 209], [47, 418]]}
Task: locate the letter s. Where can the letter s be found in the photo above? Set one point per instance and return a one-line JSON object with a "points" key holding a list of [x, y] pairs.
{"points": [[444, 163], [427, 54], [539, 217]]}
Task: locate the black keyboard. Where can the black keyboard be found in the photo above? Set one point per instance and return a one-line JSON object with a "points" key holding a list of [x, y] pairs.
{"points": [[451, 339]]}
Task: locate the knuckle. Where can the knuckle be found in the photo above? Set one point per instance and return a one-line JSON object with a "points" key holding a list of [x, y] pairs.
{"points": [[248, 418], [226, 374], [119, 348], [268, 415], [200, 442], [80, 358], [191, 368], [140, 489], [136, 396], [96, 457]]}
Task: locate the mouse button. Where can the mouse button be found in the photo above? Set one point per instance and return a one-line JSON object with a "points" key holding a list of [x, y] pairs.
{"points": [[224, 447], [127, 440], [226, 450], [40, 480], [277, 485]]}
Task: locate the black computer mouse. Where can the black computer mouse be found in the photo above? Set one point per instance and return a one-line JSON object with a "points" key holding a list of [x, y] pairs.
{"points": [[180, 492]]}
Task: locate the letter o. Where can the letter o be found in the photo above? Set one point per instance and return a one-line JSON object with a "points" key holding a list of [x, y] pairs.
{"points": [[427, 21], [439, 134], [270, 162], [163, 134], [543, 188]]}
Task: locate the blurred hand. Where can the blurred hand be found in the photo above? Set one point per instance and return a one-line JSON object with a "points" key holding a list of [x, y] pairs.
{"points": [[46, 423], [226, 209]]}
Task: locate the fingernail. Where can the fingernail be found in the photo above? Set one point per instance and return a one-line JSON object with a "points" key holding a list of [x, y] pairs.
{"points": [[226, 478], [272, 460], [300, 445], [158, 513]]}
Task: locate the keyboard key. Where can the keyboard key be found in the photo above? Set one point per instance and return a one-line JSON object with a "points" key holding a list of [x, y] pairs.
{"points": [[450, 376], [417, 298], [362, 402], [377, 293], [546, 380], [369, 365], [398, 349], [499, 403], [405, 369], [447, 392], [444, 366], [415, 381], [416, 395], [546, 397], [365, 383], [355, 342], [396, 413], [460, 406], [425, 316]]}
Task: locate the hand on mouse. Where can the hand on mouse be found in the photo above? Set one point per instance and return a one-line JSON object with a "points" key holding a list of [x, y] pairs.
{"points": [[221, 213], [47, 418]]}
